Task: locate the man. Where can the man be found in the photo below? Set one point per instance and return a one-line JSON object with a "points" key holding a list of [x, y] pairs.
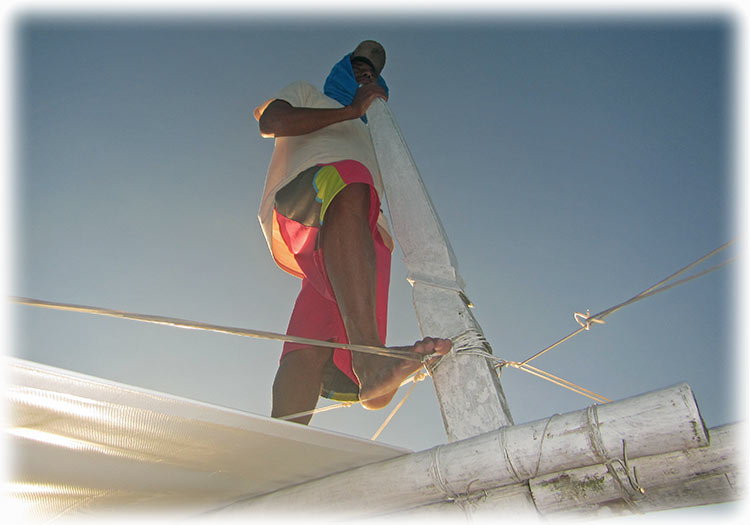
{"points": [[321, 216]]}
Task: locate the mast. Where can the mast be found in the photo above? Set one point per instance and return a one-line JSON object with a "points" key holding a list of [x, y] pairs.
{"points": [[468, 389]]}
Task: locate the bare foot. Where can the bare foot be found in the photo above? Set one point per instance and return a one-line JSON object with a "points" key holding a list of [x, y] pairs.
{"points": [[380, 377]]}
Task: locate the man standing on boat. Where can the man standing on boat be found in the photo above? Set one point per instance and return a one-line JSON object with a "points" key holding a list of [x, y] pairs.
{"points": [[321, 217]]}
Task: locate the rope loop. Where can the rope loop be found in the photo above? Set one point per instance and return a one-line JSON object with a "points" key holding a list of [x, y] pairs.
{"points": [[632, 476], [468, 502], [632, 479], [585, 320]]}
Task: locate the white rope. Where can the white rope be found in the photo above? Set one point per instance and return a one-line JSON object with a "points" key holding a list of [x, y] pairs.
{"points": [[558, 381], [318, 410], [415, 378], [470, 342], [471, 339], [586, 320], [245, 332], [260, 334]]}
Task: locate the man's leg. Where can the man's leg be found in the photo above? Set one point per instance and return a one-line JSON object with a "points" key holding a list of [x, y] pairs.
{"points": [[349, 254], [298, 381]]}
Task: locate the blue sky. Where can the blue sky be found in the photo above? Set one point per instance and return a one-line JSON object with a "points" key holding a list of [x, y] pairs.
{"points": [[574, 162]]}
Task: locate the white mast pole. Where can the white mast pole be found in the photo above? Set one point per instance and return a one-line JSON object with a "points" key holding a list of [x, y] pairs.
{"points": [[468, 389]]}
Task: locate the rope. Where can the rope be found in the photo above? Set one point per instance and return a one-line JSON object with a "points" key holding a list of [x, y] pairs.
{"points": [[500, 363], [245, 332], [416, 379], [470, 342], [346, 404], [438, 480], [318, 410], [659, 287], [559, 381], [541, 445], [632, 477], [587, 320], [470, 339], [259, 334]]}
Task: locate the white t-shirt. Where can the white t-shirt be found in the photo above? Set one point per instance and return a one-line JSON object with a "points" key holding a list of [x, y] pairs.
{"points": [[348, 140]]}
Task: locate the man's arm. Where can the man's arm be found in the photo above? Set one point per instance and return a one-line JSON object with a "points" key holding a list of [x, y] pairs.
{"points": [[281, 119]]}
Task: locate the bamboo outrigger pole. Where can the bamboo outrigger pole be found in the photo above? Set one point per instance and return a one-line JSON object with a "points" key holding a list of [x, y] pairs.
{"points": [[655, 423], [468, 389]]}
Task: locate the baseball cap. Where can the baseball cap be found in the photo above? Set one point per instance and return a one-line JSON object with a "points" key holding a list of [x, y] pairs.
{"points": [[372, 53]]}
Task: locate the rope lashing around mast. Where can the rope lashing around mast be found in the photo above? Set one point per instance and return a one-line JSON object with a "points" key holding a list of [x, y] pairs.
{"points": [[466, 343]]}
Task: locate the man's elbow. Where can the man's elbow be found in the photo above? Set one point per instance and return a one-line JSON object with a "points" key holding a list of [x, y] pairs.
{"points": [[273, 120], [266, 127]]}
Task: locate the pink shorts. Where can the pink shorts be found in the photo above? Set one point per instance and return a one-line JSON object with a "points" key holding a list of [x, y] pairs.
{"points": [[300, 210]]}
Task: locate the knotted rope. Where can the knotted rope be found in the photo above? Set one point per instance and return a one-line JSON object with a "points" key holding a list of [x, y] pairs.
{"points": [[470, 342]]}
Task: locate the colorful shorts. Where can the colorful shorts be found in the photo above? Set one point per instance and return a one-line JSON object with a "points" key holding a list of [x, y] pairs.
{"points": [[300, 209]]}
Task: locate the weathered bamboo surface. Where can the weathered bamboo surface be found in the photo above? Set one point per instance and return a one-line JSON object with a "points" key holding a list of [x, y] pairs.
{"points": [[682, 478], [654, 423], [465, 385]]}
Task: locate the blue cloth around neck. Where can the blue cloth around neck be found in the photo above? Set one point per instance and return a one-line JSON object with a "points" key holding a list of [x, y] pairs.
{"points": [[341, 85]]}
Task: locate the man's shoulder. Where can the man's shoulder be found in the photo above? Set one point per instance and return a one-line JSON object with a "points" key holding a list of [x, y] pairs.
{"points": [[301, 86], [304, 94], [299, 93]]}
